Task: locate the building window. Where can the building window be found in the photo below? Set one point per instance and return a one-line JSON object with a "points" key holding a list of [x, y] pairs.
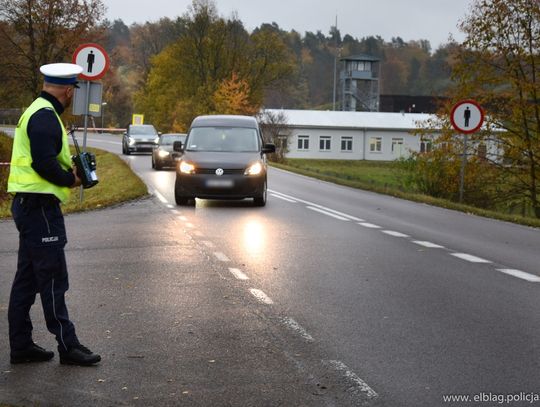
{"points": [[303, 142], [482, 151], [346, 143], [425, 146], [397, 147], [324, 143], [375, 144]]}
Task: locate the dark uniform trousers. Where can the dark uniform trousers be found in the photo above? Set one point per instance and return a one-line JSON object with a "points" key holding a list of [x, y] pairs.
{"points": [[41, 268]]}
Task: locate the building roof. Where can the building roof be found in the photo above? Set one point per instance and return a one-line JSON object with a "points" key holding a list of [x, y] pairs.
{"points": [[352, 120], [360, 57]]}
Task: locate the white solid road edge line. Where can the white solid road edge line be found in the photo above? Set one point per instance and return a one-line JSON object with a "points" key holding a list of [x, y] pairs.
{"points": [[470, 257], [361, 385], [238, 274], [160, 197], [283, 198], [295, 326], [261, 296], [521, 274], [318, 206], [327, 213]]}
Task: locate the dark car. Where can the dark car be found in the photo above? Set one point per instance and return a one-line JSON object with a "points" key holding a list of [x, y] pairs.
{"points": [[224, 158], [163, 154], [139, 138]]}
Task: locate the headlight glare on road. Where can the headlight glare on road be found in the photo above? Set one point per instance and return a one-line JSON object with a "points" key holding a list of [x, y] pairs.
{"points": [[163, 153], [254, 169], [187, 168]]}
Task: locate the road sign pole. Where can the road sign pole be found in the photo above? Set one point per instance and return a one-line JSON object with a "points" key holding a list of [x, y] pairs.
{"points": [[85, 131], [462, 171]]}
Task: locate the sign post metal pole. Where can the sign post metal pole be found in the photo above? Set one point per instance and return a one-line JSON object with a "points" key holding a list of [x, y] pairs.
{"points": [[85, 131], [462, 170]]}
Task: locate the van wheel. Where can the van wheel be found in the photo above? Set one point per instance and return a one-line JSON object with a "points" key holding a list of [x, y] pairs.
{"points": [[261, 200]]}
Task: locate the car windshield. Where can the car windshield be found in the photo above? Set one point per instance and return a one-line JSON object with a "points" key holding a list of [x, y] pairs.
{"points": [[142, 130], [226, 139], [169, 139]]}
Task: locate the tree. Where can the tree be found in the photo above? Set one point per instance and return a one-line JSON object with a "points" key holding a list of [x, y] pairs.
{"points": [[498, 64], [232, 97], [37, 32], [185, 76], [274, 128]]}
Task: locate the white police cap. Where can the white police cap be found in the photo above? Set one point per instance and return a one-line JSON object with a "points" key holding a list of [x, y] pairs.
{"points": [[61, 73]]}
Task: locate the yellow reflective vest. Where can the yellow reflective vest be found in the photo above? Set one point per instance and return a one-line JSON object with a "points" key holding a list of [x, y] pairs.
{"points": [[22, 177]]}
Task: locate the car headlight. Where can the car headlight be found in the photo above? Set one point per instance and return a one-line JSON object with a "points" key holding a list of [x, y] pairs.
{"points": [[254, 169], [163, 153], [187, 168], [156, 140], [131, 141]]}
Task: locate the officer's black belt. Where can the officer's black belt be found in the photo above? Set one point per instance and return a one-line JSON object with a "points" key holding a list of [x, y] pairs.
{"points": [[35, 197]]}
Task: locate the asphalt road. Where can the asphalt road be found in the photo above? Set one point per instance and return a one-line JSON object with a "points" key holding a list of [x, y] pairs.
{"points": [[363, 299]]}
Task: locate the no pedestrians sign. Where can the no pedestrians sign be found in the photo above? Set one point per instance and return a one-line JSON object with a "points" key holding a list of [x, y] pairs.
{"points": [[467, 116], [93, 59]]}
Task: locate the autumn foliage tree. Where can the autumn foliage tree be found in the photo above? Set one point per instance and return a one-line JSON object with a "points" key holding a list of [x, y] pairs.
{"points": [[37, 32], [498, 65], [212, 59]]}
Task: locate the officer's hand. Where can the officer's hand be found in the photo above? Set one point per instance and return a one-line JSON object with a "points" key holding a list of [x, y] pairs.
{"points": [[77, 179]]}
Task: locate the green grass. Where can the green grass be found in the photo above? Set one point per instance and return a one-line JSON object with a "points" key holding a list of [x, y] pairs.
{"points": [[385, 177], [117, 183]]}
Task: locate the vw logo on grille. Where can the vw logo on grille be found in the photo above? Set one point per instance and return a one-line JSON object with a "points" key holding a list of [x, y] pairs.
{"points": [[219, 172]]}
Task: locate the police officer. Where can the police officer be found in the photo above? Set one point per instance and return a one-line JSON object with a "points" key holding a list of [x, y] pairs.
{"points": [[41, 176]]}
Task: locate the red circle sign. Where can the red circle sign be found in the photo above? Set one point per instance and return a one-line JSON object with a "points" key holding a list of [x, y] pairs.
{"points": [[467, 116], [93, 59]]}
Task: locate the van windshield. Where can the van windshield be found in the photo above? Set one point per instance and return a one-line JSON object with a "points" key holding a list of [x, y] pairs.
{"points": [[225, 139]]}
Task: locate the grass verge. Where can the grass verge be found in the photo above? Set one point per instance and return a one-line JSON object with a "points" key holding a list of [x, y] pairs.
{"points": [[117, 183], [384, 178]]}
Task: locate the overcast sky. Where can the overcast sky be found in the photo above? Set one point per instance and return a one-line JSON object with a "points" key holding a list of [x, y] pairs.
{"points": [[433, 20]]}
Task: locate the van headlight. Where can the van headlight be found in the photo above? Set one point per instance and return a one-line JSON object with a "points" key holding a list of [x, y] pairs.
{"points": [[187, 168], [254, 169], [131, 141], [156, 140]]}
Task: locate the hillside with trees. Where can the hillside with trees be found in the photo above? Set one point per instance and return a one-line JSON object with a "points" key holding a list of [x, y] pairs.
{"points": [[173, 68]]}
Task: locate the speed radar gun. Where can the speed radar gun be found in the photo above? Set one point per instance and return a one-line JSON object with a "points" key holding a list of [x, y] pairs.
{"points": [[86, 165]]}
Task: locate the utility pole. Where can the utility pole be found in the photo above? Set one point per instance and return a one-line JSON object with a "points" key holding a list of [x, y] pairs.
{"points": [[335, 65]]}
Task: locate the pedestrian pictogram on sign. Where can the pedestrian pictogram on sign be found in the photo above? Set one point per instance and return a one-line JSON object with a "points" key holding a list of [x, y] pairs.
{"points": [[467, 116], [93, 59]]}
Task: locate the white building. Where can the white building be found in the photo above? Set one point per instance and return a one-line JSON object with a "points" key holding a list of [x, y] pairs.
{"points": [[352, 135]]}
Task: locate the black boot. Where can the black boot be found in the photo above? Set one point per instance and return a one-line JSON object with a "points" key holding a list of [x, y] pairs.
{"points": [[78, 355], [33, 353]]}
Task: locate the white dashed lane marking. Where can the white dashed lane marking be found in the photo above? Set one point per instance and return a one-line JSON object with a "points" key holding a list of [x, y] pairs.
{"points": [[369, 225], [261, 296], [295, 327], [358, 385], [221, 257], [239, 275], [521, 274], [428, 244], [395, 234], [470, 258]]}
